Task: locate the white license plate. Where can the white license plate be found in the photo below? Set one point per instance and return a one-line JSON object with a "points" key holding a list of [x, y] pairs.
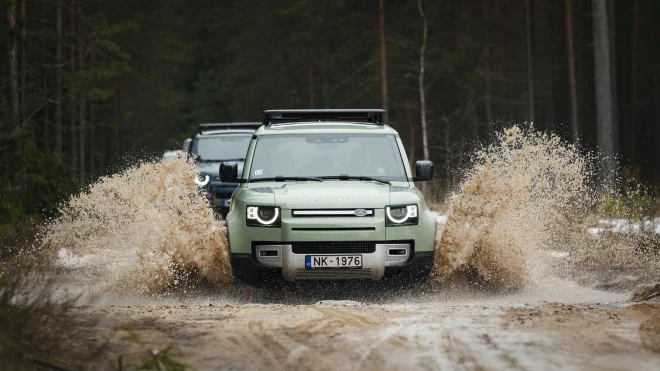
{"points": [[333, 261]]}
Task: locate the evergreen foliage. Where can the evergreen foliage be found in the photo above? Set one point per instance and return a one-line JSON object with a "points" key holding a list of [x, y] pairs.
{"points": [[138, 76]]}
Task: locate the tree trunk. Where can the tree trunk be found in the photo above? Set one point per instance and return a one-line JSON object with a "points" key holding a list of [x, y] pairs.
{"points": [[46, 105], [383, 59], [488, 93], [91, 152], [312, 98], [117, 117], [326, 98], [449, 183], [22, 20], [11, 57], [530, 72], [603, 86], [422, 95], [611, 32], [72, 97], [633, 85], [81, 154], [467, 93], [572, 85], [284, 57], [58, 81], [81, 106]]}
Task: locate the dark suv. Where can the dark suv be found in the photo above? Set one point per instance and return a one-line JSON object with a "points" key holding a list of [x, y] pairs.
{"points": [[214, 144]]}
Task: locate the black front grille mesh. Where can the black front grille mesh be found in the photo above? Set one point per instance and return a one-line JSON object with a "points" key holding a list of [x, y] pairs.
{"points": [[333, 273], [334, 247]]}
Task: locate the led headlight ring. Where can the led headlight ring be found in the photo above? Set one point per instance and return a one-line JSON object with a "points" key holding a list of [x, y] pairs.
{"points": [[204, 182]]}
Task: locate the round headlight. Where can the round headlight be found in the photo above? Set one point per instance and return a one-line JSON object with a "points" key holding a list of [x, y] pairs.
{"points": [[266, 213], [402, 214], [399, 212]]}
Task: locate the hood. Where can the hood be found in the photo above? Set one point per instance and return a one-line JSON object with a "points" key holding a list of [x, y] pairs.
{"points": [[212, 168], [331, 195]]}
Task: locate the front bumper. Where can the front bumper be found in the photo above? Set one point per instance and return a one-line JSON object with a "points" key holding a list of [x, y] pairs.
{"points": [[289, 259], [330, 235]]}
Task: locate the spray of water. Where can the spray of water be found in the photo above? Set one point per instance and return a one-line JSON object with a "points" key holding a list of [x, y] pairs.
{"points": [[147, 229], [143, 230], [522, 214], [517, 197]]}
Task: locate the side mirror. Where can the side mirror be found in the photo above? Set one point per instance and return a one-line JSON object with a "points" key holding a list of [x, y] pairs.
{"points": [[423, 170], [186, 145], [229, 172]]}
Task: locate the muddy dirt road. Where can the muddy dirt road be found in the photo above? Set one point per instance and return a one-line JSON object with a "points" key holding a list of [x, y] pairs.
{"points": [[460, 327]]}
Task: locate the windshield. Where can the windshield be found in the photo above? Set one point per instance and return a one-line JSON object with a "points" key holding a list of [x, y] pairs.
{"points": [[221, 147], [322, 155]]}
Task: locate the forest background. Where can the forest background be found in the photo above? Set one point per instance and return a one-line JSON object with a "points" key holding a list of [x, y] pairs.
{"points": [[88, 87]]}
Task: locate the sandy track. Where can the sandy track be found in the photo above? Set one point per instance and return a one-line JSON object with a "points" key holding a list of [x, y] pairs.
{"points": [[586, 330]]}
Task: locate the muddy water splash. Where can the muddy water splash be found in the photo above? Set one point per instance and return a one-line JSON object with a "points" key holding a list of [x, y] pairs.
{"points": [[143, 230], [520, 193]]}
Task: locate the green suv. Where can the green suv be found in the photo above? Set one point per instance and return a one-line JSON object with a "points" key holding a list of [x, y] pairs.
{"points": [[326, 195]]}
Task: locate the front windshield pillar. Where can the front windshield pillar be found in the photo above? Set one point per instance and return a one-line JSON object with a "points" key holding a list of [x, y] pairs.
{"points": [[404, 158]]}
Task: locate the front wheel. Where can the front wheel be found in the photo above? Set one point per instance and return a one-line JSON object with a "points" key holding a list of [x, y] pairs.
{"points": [[247, 271], [419, 269]]}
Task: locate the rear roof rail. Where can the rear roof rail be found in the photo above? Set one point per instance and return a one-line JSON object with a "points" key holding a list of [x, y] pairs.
{"points": [[230, 126], [374, 116]]}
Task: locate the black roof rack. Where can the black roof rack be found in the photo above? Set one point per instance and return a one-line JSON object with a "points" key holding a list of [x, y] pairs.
{"points": [[230, 126], [355, 115]]}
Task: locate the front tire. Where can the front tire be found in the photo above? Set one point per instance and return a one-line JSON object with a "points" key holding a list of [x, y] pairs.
{"points": [[247, 271], [419, 269]]}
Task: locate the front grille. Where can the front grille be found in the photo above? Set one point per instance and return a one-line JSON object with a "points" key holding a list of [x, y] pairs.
{"points": [[333, 273], [335, 229], [330, 213], [334, 247]]}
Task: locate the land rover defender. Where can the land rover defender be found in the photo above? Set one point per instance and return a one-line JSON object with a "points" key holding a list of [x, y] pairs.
{"points": [[326, 195], [213, 144]]}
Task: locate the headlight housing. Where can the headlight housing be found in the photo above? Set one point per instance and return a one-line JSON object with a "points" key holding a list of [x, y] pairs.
{"points": [[263, 216], [401, 215]]}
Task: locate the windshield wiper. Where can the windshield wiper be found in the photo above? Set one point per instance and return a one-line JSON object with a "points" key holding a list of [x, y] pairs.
{"points": [[284, 178], [356, 177]]}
